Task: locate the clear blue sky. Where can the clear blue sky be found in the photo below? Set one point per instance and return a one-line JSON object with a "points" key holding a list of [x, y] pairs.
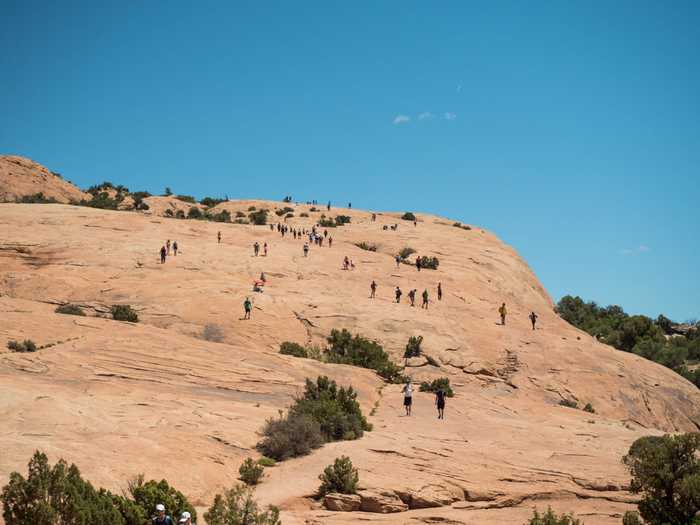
{"points": [[571, 129]]}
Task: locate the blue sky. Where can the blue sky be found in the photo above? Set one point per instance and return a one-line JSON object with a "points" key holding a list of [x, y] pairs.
{"points": [[571, 129]]}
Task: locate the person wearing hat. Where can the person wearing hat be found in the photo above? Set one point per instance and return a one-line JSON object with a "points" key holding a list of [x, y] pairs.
{"points": [[161, 518], [186, 518]]}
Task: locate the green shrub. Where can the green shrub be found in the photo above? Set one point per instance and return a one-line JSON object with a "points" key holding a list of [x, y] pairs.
{"points": [[289, 348], [148, 494], [210, 202], [366, 246], [569, 403], [69, 309], [180, 214], [124, 312], [237, 507], [413, 348], [334, 408], [342, 219], [666, 472], [284, 210], [251, 208], [303, 214], [213, 333], [25, 346], [290, 436], [358, 351], [550, 518], [406, 252], [267, 462], [326, 223], [37, 198], [258, 218], [408, 216], [631, 518], [289, 216], [313, 208], [241, 221], [168, 213], [53, 495], [589, 408], [250, 472], [340, 477], [240, 214], [103, 201], [222, 216], [429, 262], [194, 213], [463, 226], [186, 198], [441, 383], [168, 192]]}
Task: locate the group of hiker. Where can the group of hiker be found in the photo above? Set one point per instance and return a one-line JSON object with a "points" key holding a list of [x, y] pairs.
{"points": [[411, 294], [440, 396], [165, 250], [162, 518], [503, 312]]}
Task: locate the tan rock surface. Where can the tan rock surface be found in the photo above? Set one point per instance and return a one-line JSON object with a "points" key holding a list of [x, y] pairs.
{"points": [[155, 397], [21, 177]]}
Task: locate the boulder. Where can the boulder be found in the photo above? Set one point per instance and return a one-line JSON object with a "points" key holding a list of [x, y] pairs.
{"points": [[381, 502], [341, 502], [434, 496]]}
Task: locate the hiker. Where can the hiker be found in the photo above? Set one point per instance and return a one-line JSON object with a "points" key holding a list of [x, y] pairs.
{"points": [[425, 299], [346, 263], [330, 241], [373, 288], [175, 248], [412, 297], [265, 249], [398, 294], [186, 518], [162, 518], [247, 307], [262, 277], [418, 263], [408, 396], [374, 217], [440, 403], [439, 291], [272, 227], [325, 233], [349, 204], [415, 223], [503, 312], [218, 236], [329, 206], [306, 249], [256, 248], [167, 245], [398, 260], [533, 319], [352, 265], [163, 253]]}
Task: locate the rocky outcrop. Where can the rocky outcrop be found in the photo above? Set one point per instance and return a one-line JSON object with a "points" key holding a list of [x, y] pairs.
{"points": [[22, 177], [342, 502], [381, 501]]}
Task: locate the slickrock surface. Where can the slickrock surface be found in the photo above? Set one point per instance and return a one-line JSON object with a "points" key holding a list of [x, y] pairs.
{"points": [[155, 397], [21, 177]]}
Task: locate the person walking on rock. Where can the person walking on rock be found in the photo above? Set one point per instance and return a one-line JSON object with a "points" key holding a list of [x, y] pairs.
{"points": [[398, 294], [373, 289], [408, 396], [439, 291], [330, 241], [218, 236], [247, 307], [306, 249], [163, 254], [398, 260], [161, 517], [175, 248], [186, 518], [418, 263], [412, 297], [256, 248], [440, 402], [265, 249], [167, 245], [503, 312], [425, 299], [533, 319]]}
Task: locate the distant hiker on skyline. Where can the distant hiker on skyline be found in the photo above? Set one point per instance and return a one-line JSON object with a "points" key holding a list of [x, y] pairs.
{"points": [[397, 293], [218, 236], [374, 217], [163, 253], [349, 204], [373, 289], [412, 297], [439, 291], [247, 307], [161, 518], [175, 248], [167, 245], [408, 396], [533, 319], [425, 299], [306, 249], [440, 403], [503, 312], [256, 248], [329, 206]]}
